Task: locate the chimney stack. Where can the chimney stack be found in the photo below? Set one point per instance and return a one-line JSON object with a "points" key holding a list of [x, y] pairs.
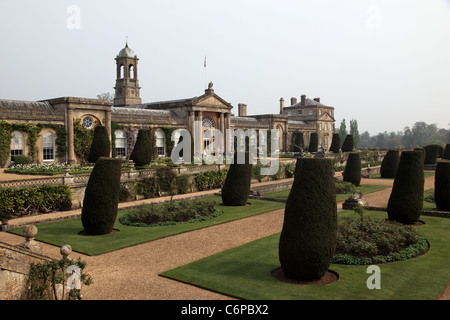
{"points": [[303, 97], [242, 110], [317, 99], [281, 105], [293, 101]]}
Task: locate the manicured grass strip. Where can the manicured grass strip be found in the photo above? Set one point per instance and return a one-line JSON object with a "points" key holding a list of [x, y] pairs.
{"points": [[365, 189], [245, 271], [378, 175], [67, 232]]}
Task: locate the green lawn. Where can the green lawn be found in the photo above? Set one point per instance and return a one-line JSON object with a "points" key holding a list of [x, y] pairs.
{"points": [[365, 189], [378, 175], [67, 232], [245, 272]]}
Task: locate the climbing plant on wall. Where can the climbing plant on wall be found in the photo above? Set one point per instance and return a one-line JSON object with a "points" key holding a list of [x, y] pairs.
{"points": [[168, 137], [82, 139]]}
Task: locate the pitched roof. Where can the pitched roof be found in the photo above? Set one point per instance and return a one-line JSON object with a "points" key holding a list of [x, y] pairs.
{"points": [[20, 104]]}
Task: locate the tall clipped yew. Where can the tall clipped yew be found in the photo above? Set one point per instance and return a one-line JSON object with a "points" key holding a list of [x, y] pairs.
{"points": [[446, 154], [389, 164], [352, 171], [442, 185], [236, 188], [144, 150], [298, 141], [313, 142], [432, 153], [101, 145], [309, 233], [101, 197], [335, 143], [406, 199], [348, 144]]}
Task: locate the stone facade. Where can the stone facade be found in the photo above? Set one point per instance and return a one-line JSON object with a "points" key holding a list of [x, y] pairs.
{"points": [[128, 111]]}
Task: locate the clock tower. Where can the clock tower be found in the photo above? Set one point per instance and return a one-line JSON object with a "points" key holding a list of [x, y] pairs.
{"points": [[127, 83]]}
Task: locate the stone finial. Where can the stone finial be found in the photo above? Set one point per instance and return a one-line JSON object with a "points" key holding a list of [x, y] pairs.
{"points": [[30, 231], [65, 250]]}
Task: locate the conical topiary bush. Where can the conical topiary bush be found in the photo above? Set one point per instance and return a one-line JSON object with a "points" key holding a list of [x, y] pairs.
{"points": [[442, 185], [352, 171], [299, 143], [144, 150], [101, 197], [236, 188], [432, 153], [335, 143], [406, 200], [313, 142], [389, 164], [309, 233], [100, 146], [348, 144]]}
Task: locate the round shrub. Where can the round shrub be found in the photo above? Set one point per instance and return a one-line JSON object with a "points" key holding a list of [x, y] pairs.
{"points": [[446, 153], [389, 164], [101, 197], [21, 159], [100, 146], [143, 151], [432, 152], [308, 237], [335, 143], [236, 188], [406, 199], [313, 142], [348, 144], [442, 186], [352, 171]]}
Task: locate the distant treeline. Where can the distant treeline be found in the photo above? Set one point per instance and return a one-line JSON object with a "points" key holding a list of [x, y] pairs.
{"points": [[421, 134]]}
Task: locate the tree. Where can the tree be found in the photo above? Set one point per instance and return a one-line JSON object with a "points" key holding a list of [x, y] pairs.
{"points": [[313, 142], [106, 96], [335, 143], [236, 188], [100, 146], [352, 171], [343, 130], [406, 199], [348, 144], [309, 233], [442, 186], [389, 164], [144, 150], [354, 132], [101, 197]]}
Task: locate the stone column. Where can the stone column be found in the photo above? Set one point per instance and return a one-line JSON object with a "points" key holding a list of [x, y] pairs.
{"points": [[227, 124], [222, 129], [70, 137]]}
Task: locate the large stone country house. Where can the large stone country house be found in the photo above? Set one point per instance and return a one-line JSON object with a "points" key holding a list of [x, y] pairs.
{"points": [[35, 126]]}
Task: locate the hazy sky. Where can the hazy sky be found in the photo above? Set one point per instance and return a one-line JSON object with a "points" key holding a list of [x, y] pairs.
{"points": [[384, 63]]}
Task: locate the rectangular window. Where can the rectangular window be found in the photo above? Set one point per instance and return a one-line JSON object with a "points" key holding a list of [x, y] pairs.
{"points": [[48, 152], [16, 152], [300, 112]]}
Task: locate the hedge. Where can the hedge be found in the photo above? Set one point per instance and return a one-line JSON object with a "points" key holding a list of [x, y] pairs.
{"points": [[348, 144], [389, 164], [352, 171], [313, 142], [36, 200], [442, 186], [335, 143]]}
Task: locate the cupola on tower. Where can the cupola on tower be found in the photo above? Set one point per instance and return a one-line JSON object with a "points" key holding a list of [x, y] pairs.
{"points": [[127, 83]]}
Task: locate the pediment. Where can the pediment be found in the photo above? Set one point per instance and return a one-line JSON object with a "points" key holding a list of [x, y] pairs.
{"points": [[326, 117], [212, 100]]}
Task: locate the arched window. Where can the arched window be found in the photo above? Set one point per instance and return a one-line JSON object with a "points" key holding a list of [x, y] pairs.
{"points": [[121, 72], [160, 143], [48, 152], [131, 71], [121, 143], [208, 122], [17, 144]]}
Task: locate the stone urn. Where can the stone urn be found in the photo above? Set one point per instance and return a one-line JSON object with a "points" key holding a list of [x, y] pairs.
{"points": [[130, 164], [67, 169], [65, 250]]}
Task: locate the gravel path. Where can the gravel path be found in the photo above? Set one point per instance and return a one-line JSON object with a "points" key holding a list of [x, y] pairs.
{"points": [[132, 273]]}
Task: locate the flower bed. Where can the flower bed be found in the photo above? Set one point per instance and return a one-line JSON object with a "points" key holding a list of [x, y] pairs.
{"points": [[369, 241], [170, 213]]}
